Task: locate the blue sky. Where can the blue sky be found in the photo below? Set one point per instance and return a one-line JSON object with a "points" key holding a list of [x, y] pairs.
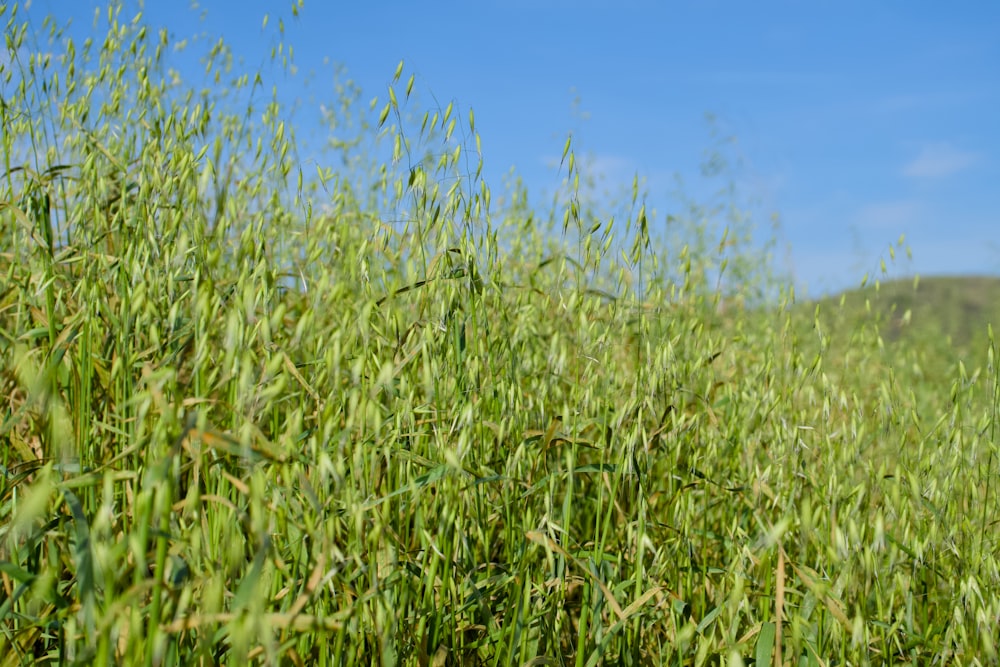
{"points": [[855, 121]]}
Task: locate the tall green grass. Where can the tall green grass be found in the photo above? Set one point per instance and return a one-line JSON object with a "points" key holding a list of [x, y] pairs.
{"points": [[380, 416]]}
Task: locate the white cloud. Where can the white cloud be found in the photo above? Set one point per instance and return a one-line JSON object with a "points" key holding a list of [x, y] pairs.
{"points": [[892, 216], [601, 174], [611, 168], [939, 160]]}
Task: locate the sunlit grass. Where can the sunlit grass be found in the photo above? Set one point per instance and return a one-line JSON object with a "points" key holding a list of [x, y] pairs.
{"points": [[381, 416]]}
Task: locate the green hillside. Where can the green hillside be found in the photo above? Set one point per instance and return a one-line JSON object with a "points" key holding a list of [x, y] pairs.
{"points": [[956, 308], [923, 327]]}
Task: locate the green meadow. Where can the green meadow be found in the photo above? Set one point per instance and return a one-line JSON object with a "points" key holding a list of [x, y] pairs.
{"points": [[265, 404]]}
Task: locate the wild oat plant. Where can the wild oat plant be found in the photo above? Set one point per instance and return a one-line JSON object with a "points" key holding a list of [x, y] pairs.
{"points": [[258, 408]]}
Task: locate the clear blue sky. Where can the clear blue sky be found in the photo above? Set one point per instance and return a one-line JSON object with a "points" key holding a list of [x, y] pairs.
{"points": [[856, 121]]}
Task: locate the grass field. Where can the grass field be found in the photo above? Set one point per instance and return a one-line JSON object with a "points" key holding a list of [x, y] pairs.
{"points": [[261, 412]]}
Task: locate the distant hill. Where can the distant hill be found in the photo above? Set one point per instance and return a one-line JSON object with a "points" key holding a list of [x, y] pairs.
{"points": [[943, 312]]}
